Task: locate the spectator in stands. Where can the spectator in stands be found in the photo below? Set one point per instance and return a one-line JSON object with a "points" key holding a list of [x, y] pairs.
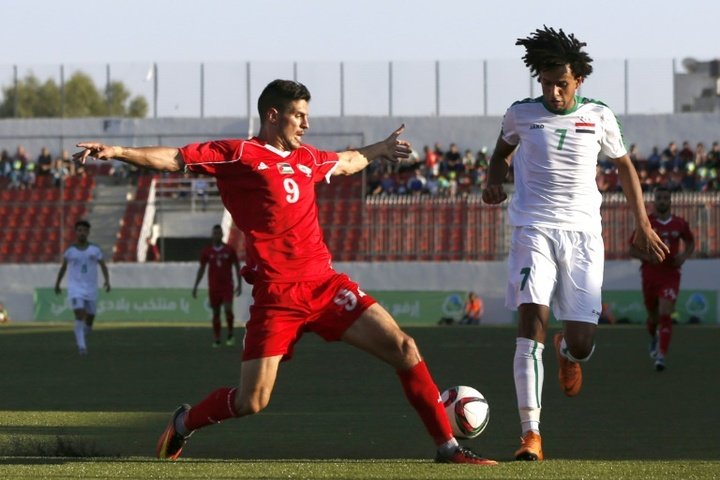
{"points": [[6, 164], [432, 164], [646, 182], [481, 160], [19, 166], [453, 160], [443, 185], [669, 155], [416, 184], [59, 172], [685, 155], [28, 178], [713, 156], [389, 187], [44, 162], [432, 186], [67, 162], [654, 160], [700, 154]]}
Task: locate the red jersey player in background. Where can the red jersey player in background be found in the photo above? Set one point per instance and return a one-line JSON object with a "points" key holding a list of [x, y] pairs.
{"points": [[221, 259], [661, 281], [267, 183]]}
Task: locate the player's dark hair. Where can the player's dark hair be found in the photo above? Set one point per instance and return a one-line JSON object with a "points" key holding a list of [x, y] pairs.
{"points": [[82, 223], [548, 48], [279, 94], [217, 227]]}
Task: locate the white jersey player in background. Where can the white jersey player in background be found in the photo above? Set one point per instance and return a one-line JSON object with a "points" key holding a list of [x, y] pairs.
{"points": [[557, 253], [81, 260]]}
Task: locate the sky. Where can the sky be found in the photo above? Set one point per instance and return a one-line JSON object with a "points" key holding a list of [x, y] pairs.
{"points": [[51, 32]]}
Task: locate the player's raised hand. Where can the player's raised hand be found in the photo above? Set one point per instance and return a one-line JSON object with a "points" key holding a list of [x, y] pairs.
{"points": [[648, 242], [396, 149], [95, 150], [494, 194]]}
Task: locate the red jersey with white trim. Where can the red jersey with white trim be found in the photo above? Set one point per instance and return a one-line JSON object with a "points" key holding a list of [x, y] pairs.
{"points": [[270, 195], [220, 261], [671, 231]]}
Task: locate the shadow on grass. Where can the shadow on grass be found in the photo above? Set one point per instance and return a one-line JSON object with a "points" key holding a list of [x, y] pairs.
{"points": [[58, 446]]}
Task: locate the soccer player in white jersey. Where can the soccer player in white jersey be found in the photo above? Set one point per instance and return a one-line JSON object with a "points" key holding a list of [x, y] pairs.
{"points": [[557, 253], [82, 259]]}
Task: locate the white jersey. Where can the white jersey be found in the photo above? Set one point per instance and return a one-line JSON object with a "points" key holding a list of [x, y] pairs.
{"points": [[82, 267], [555, 163]]}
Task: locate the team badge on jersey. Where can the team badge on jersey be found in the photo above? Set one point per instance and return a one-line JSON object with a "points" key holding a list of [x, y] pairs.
{"points": [[584, 125], [285, 169], [306, 170]]}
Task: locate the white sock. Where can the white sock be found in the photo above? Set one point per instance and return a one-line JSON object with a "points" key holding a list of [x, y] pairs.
{"points": [[80, 334], [529, 376]]}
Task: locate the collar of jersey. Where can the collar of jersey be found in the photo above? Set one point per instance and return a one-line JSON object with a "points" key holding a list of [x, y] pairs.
{"points": [[267, 146], [561, 112]]}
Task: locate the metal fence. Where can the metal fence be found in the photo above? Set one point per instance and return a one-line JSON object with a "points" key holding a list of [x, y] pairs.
{"points": [[464, 228], [386, 88]]}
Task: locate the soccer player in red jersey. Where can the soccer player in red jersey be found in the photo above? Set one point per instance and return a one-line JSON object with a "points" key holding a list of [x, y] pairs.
{"points": [[221, 259], [661, 281], [267, 184]]}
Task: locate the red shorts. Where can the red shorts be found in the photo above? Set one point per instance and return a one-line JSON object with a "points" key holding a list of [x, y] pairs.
{"points": [[219, 296], [656, 286], [282, 312]]}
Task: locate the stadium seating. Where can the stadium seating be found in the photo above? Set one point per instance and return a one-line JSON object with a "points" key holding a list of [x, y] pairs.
{"points": [[125, 249], [34, 219]]}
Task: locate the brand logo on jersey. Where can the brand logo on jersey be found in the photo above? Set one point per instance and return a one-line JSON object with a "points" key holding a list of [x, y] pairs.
{"points": [[285, 169], [535, 126], [584, 126], [262, 166], [304, 169]]}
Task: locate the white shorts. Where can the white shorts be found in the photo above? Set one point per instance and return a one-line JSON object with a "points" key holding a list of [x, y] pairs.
{"points": [[558, 268], [79, 303]]}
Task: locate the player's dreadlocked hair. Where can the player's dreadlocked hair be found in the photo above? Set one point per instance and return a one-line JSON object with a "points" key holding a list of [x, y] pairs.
{"points": [[548, 48]]}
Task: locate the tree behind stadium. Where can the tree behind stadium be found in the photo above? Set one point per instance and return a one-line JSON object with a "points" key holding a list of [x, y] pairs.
{"points": [[81, 99]]}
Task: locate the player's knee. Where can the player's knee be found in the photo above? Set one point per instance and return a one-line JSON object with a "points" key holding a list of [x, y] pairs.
{"points": [[251, 405], [408, 348], [581, 352]]}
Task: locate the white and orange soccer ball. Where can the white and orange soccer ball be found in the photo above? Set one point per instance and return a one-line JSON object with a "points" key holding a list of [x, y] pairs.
{"points": [[467, 409]]}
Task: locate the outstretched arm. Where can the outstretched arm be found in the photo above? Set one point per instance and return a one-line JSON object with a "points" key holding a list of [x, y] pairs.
{"points": [[166, 159], [353, 161], [645, 238]]}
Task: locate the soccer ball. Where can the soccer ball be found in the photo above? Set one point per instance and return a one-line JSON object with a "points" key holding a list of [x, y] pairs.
{"points": [[467, 410]]}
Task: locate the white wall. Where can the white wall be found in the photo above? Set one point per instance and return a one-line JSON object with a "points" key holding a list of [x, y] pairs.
{"points": [[17, 282]]}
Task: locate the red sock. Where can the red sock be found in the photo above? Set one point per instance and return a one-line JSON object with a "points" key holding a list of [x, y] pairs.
{"points": [[216, 326], [230, 321], [651, 328], [665, 333], [424, 396], [215, 408]]}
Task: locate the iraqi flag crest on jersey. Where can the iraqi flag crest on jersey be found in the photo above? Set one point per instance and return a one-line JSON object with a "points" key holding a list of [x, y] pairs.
{"points": [[584, 126]]}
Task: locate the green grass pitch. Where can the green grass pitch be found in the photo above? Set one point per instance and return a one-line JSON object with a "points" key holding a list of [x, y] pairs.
{"points": [[338, 413]]}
